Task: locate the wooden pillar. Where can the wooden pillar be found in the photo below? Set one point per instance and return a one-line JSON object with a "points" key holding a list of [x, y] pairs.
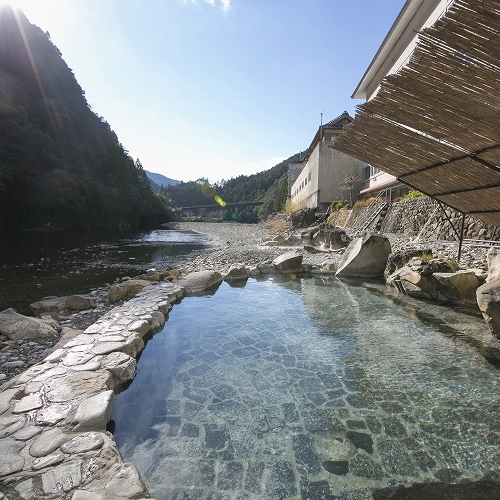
{"points": [[461, 240]]}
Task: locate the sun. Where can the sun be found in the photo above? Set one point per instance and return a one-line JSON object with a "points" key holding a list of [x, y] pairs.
{"points": [[47, 14]]}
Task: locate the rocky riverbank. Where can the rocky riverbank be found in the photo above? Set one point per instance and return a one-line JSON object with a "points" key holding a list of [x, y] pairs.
{"points": [[230, 243], [54, 414]]}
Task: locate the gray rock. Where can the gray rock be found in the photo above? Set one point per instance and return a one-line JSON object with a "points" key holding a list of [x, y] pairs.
{"points": [[26, 489], [80, 302], [11, 460], [10, 425], [126, 289], [5, 399], [120, 365], [488, 300], [27, 432], [47, 442], [413, 283], [87, 495], [399, 259], [493, 258], [456, 286], [201, 282], [75, 385], [289, 263], [49, 460], [126, 482], [106, 347], [18, 327], [133, 345], [55, 305], [93, 413], [266, 268], [48, 305], [83, 443], [365, 257], [141, 326], [157, 321], [237, 272], [28, 403], [64, 477]]}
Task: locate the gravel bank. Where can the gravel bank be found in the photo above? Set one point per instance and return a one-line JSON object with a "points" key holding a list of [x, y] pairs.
{"points": [[230, 243], [233, 243]]}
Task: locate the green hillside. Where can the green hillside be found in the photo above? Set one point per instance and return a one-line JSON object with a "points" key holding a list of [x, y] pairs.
{"points": [[60, 164], [269, 186]]}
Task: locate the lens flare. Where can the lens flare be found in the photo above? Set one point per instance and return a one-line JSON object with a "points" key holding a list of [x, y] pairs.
{"points": [[219, 200]]}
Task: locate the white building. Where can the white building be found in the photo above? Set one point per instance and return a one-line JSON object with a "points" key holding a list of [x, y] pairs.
{"points": [[327, 174], [390, 57]]}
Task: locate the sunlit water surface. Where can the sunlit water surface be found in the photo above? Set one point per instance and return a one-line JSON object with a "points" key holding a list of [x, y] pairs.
{"points": [[306, 390], [36, 264]]}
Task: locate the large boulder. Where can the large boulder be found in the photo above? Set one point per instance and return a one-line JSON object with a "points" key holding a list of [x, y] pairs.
{"points": [[397, 260], [237, 272], [457, 286], [48, 305], [80, 302], [365, 257], [201, 282], [303, 218], [413, 283], [336, 239], [126, 289], [488, 300], [289, 263], [493, 258], [18, 327], [54, 305], [161, 275], [332, 238]]}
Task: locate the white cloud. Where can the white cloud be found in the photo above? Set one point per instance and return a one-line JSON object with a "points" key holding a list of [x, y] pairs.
{"points": [[224, 4]]}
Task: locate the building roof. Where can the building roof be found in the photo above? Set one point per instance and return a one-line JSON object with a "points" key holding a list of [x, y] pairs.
{"points": [[336, 124], [434, 124], [409, 21], [340, 122]]}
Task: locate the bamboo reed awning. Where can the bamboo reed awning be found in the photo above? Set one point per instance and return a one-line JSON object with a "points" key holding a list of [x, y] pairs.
{"points": [[435, 124]]}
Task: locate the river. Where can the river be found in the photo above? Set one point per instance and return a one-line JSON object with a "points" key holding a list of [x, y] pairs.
{"points": [[36, 264]]}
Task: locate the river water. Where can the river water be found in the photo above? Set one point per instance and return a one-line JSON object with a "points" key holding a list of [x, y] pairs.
{"points": [[36, 264], [308, 389]]}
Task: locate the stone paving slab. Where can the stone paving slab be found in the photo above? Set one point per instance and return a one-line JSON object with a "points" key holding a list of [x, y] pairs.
{"points": [[53, 417]]}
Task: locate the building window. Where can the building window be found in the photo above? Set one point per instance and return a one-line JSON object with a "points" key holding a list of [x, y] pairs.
{"points": [[305, 182], [309, 177], [366, 173]]}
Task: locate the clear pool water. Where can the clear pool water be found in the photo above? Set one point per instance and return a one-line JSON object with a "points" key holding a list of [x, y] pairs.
{"points": [[302, 389]]}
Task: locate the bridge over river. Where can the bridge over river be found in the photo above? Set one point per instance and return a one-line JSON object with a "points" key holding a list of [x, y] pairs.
{"points": [[215, 209]]}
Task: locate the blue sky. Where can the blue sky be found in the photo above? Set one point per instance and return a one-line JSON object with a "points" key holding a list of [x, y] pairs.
{"points": [[215, 88]]}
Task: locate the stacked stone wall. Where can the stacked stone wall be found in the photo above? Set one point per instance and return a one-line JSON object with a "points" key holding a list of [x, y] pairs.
{"points": [[418, 216]]}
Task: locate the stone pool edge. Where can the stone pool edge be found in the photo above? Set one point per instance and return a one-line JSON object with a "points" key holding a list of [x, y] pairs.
{"points": [[53, 416]]}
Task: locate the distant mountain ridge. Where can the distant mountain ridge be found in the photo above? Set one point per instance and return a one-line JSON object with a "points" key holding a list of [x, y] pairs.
{"points": [[160, 180]]}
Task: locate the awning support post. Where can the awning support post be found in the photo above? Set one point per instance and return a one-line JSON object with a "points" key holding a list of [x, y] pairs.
{"points": [[457, 234], [461, 240]]}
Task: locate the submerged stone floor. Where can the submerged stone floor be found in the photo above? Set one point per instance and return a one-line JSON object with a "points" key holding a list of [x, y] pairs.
{"points": [[300, 391], [232, 402], [53, 417]]}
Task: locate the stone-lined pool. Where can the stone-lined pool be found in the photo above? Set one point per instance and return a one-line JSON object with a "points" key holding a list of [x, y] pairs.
{"points": [[302, 389]]}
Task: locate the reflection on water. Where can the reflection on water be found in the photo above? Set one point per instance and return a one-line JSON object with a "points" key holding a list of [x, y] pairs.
{"points": [[35, 264], [303, 389]]}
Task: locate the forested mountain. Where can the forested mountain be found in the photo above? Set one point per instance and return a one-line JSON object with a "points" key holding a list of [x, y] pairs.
{"points": [[158, 180], [269, 186], [60, 163]]}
